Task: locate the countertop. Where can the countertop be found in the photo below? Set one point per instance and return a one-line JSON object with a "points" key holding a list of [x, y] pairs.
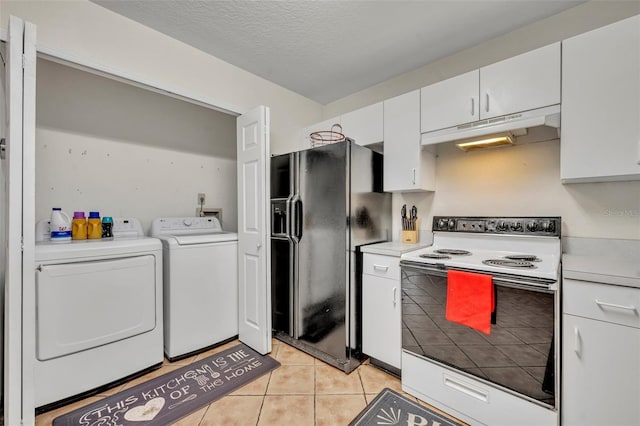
{"points": [[393, 248], [601, 269]]}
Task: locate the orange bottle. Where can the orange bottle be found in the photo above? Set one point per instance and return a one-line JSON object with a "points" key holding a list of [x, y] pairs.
{"points": [[94, 230], [79, 226]]}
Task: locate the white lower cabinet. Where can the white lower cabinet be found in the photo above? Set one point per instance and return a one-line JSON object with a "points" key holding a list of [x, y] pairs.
{"points": [[381, 315], [601, 355]]}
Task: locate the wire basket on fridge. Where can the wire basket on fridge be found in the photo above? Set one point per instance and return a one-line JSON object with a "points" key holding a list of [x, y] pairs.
{"points": [[325, 137]]}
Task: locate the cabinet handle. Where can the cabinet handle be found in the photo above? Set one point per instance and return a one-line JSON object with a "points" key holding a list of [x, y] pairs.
{"points": [[395, 291], [486, 97], [613, 305], [381, 268], [577, 343], [414, 176], [473, 107]]}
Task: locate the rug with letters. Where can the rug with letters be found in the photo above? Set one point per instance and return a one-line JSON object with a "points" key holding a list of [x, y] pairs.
{"points": [[167, 398], [391, 408]]}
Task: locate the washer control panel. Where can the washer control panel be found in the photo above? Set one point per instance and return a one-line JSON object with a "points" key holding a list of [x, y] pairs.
{"points": [[546, 226], [185, 226]]}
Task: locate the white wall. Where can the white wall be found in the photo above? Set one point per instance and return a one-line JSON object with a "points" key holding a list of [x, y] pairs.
{"points": [[124, 151], [88, 33], [524, 180]]}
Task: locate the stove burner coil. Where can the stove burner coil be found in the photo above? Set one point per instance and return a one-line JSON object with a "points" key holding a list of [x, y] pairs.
{"points": [[435, 256], [453, 251], [524, 257], [508, 263]]}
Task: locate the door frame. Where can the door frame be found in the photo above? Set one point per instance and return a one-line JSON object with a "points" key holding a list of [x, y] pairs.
{"points": [[19, 407]]}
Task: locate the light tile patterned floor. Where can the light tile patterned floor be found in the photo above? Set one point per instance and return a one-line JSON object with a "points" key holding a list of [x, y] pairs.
{"points": [[303, 391]]}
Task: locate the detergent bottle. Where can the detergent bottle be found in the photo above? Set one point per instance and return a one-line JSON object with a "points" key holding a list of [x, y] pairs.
{"points": [[79, 226], [59, 226], [94, 231]]}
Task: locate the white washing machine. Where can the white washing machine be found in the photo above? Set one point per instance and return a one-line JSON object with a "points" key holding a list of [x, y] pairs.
{"points": [[98, 310], [200, 283]]}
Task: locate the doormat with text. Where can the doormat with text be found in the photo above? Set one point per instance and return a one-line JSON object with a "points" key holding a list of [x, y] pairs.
{"points": [[391, 408], [165, 399]]}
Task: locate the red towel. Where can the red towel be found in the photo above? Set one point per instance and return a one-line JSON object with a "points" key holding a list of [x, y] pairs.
{"points": [[470, 299]]}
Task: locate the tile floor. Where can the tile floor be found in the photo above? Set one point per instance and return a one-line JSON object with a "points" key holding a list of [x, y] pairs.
{"points": [[302, 391]]}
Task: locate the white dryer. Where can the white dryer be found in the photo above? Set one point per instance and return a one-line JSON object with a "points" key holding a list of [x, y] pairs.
{"points": [[200, 283], [98, 310]]}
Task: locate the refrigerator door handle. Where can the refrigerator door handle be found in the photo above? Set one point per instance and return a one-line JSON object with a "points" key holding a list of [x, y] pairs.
{"points": [[289, 209], [296, 231]]}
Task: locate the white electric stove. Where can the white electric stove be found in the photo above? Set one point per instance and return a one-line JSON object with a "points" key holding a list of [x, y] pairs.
{"points": [[511, 374]]}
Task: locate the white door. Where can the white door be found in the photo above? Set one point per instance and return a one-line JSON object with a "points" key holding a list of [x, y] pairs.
{"points": [[19, 174], [254, 285]]}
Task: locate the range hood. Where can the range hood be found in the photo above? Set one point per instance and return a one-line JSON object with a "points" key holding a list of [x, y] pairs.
{"points": [[545, 121]]}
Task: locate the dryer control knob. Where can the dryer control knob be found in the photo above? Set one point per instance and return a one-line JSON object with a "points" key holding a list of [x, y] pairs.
{"points": [[187, 222]]}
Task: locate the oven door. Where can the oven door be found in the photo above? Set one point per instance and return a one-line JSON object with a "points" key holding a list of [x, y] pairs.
{"points": [[519, 352]]}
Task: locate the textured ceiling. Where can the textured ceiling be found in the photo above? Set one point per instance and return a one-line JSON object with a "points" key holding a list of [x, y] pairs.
{"points": [[326, 50]]}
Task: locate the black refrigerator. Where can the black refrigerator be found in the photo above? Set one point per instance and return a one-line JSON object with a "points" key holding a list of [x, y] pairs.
{"points": [[326, 203]]}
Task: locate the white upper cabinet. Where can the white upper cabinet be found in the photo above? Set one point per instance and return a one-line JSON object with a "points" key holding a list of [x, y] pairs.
{"points": [[364, 125], [406, 166], [521, 83], [601, 104], [450, 102]]}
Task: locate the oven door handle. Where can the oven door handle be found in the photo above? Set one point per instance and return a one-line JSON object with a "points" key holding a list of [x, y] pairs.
{"points": [[529, 283]]}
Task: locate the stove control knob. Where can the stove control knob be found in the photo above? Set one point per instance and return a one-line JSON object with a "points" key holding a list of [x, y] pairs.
{"points": [[452, 224], [532, 227], [187, 222], [551, 226], [442, 223], [517, 226]]}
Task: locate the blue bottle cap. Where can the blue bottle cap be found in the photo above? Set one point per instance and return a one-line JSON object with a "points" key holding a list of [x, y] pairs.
{"points": [[107, 219], [94, 215]]}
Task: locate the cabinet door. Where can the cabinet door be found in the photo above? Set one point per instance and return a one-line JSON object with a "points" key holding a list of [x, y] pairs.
{"points": [[381, 321], [600, 373], [364, 125], [601, 104], [450, 102], [406, 167], [521, 83]]}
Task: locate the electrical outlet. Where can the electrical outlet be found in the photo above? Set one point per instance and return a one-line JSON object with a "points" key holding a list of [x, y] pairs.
{"points": [[201, 198]]}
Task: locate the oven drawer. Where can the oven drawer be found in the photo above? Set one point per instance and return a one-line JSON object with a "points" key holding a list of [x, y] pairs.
{"points": [[382, 266], [604, 302], [470, 400]]}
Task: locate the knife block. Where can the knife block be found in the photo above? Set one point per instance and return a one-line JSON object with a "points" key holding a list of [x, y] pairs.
{"points": [[411, 237]]}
